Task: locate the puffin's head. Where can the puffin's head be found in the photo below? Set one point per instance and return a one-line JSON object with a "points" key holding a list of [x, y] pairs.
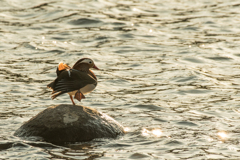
{"points": [[85, 61]]}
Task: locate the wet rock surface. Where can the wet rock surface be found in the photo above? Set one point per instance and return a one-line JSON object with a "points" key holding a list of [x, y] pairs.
{"points": [[68, 123]]}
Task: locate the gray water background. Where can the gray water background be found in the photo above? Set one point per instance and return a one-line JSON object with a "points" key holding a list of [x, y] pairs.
{"points": [[170, 74]]}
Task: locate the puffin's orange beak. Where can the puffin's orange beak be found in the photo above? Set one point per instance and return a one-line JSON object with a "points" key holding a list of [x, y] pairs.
{"points": [[63, 66], [95, 67]]}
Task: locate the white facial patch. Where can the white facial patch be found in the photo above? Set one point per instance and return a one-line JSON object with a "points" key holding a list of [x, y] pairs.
{"points": [[87, 61]]}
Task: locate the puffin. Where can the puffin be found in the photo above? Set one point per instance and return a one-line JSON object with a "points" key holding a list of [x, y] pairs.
{"points": [[77, 81]]}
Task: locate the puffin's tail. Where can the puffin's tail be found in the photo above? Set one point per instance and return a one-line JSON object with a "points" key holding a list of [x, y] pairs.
{"points": [[50, 85]]}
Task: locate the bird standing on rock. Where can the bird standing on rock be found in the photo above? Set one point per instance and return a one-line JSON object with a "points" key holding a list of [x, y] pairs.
{"points": [[77, 81]]}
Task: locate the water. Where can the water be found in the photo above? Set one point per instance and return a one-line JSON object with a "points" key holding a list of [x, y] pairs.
{"points": [[169, 73]]}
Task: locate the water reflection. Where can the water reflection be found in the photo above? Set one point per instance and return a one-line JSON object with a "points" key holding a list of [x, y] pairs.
{"points": [[222, 135], [210, 139], [153, 132], [134, 9], [145, 132], [157, 132], [126, 129]]}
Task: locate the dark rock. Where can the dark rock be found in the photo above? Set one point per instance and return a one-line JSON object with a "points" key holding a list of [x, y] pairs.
{"points": [[68, 123]]}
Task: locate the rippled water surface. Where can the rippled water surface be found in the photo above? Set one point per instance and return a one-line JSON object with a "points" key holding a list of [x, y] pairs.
{"points": [[169, 74]]}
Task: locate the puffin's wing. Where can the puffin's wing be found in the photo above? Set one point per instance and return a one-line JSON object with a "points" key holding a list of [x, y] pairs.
{"points": [[70, 80], [62, 67]]}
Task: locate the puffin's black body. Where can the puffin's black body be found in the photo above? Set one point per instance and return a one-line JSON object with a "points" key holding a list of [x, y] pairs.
{"points": [[70, 80], [74, 81]]}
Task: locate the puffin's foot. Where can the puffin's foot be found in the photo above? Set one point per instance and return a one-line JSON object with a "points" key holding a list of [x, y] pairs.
{"points": [[79, 96]]}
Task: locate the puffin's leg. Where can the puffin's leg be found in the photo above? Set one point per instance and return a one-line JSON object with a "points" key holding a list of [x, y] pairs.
{"points": [[72, 99], [79, 95]]}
